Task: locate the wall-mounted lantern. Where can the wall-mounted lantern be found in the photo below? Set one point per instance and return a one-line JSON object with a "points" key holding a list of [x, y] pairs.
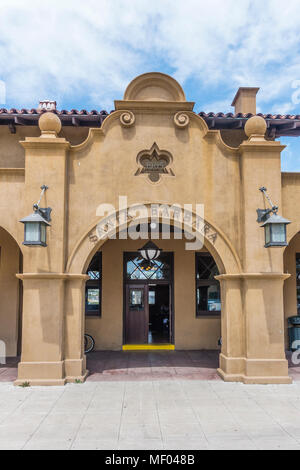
{"points": [[150, 251], [35, 225], [274, 224]]}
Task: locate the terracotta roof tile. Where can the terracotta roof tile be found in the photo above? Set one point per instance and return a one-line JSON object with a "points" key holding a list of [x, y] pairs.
{"points": [[84, 112], [278, 124], [73, 112]]}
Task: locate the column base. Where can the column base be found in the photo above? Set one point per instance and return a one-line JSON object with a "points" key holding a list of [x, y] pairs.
{"points": [[75, 367], [254, 371], [47, 374], [76, 379], [254, 380]]}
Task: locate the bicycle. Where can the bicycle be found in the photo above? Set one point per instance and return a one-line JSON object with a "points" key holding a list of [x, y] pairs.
{"points": [[89, 344]]}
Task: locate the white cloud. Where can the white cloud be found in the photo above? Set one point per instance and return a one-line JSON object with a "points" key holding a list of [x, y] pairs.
{"points": [[87, 52]]}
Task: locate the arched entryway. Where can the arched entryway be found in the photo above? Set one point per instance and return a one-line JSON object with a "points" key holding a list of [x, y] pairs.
{"points": [[291, 296], [292, 285], [173, 300], [190, 332], [10, 294]]}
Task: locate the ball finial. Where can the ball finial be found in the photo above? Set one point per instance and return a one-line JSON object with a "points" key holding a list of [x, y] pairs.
{"points": [[49, 124], [256, 126]]}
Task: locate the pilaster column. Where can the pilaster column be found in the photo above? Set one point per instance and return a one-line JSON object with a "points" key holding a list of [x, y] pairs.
{"points": [[233, 328], [253, 329], [75, 360], [42, 360], [259, 327]]}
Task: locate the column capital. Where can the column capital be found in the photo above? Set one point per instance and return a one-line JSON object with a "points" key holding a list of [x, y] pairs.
{"points": [[31, 143], [261, 146], [250, 276], [54, 276]]}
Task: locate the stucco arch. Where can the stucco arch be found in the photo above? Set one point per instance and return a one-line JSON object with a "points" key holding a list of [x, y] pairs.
{"points": [[154, 86], [214, 240], [11, 293], [293, 231], [13, 236]]}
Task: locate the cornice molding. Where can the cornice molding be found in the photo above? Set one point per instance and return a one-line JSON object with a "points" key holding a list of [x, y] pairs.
{"points": [[156, 106]]}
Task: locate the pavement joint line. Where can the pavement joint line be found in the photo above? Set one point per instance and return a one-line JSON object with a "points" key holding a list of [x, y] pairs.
{"points": [[236, 421], [83, 416], [275, 421], [158, 417], [297, 439], [18, 406], [43, 419], [195, 414], [122, 413]]}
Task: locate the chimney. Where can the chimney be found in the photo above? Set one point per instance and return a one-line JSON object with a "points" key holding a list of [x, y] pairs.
{"points": [[47, 105], [245, 100]]}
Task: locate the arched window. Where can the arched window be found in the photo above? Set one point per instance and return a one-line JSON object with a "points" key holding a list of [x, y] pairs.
{"points": [[138, 269], [208, 292], [93, 289]]}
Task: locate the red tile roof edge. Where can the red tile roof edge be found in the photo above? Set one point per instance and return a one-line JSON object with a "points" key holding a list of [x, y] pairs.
{"points": [[84, 112]]}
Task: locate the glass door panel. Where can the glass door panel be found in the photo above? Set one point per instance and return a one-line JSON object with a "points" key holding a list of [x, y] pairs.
{"points": [[137, 315]]}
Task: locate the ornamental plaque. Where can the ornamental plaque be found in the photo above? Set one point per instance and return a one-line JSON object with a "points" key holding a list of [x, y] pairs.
{"points": [[154, 163]]}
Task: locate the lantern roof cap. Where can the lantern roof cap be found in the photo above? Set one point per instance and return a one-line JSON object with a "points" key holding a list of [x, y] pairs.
{"points": [[35, 217], [276, 219], [150, 246]]}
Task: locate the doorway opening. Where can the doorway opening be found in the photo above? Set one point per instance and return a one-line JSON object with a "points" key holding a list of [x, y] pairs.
{"points": [[159, 314], [148, 300]]}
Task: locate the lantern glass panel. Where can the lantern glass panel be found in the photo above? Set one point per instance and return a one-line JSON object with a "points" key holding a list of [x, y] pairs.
{"points": [[152, 254], [43, 233], [268, 234], [278, 233], [32, 232]]}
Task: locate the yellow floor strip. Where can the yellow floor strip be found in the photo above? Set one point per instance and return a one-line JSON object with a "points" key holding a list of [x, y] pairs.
{"points": [[149, 347]]}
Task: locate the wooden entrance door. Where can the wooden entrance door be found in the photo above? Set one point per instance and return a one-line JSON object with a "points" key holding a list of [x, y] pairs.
{"points": [[137, 314]]}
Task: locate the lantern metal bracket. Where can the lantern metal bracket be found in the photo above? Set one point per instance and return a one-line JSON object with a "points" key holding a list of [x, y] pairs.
{"points": [[44, 212], [264, 214]]}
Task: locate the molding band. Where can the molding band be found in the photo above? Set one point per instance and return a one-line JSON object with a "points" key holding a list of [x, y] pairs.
{"points": [[249, 276], [49, 276]]}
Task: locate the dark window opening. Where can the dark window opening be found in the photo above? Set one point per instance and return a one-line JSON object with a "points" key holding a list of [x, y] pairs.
{"points": [[208, 291], [93, 288]]}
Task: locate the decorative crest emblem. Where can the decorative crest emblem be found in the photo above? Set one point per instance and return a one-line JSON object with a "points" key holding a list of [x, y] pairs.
{"points": [[154, 163]]}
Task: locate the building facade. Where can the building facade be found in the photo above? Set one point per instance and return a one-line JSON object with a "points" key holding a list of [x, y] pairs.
{"points": [[116, 181]]}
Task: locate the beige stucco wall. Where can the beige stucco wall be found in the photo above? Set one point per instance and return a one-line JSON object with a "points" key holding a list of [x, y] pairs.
{"points": [[190, 332], [12, 154], [81, 176], [202, 172], [9, 292]]}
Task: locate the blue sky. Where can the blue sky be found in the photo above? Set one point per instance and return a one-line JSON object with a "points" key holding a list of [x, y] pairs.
{"points": [[83, 54]]}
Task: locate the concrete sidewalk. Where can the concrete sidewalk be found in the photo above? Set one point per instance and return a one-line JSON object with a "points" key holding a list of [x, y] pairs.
{"points": [[154, 415]]}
